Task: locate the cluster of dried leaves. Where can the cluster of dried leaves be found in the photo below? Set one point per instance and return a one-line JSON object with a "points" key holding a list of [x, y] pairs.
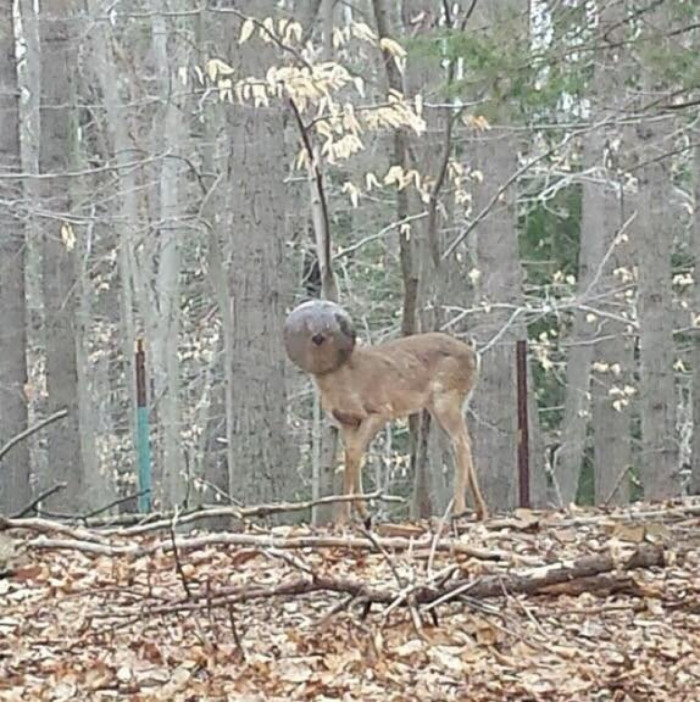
{"points": [[551, 606]]}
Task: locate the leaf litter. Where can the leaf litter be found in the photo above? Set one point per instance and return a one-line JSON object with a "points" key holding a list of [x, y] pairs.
{"points": [[475, 612]]}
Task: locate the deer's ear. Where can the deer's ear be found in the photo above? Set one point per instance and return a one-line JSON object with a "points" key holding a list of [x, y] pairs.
{"points": [[346, 327]]}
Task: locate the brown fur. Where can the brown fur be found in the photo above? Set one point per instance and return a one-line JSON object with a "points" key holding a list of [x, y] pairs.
{"points": [[379, 383]]}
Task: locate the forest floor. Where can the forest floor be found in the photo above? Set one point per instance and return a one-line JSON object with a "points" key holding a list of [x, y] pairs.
{"points": [[584, 605]]}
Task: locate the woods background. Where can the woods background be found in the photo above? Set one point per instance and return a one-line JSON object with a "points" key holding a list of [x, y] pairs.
{"points": [[180, 172]]}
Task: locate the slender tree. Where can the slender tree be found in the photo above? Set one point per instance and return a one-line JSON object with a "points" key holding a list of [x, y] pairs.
{"points": [[58, 135], [14, 467], [654, 232]]}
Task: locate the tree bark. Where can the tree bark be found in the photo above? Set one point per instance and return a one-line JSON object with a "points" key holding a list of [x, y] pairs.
{"points": [[695, 466], [263, 465], [601, 203], [654, 236], [15, 490], [59, 278], [171, 123], [126, 224]]}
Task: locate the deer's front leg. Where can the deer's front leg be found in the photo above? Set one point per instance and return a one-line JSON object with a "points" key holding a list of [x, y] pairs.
{"points": [[356, 439]]}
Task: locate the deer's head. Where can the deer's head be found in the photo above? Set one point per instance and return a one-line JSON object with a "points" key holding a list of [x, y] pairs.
{"points": [[319, 336]]}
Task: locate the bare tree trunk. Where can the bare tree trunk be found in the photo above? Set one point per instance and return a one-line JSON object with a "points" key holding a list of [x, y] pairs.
{"points": [[431, 155], [263, 465], [695, 465], [493, 409], [654, 234], [581, 342], [409, 274], [654, 240], [166, 342], [421, 503], [30, 83], [494, 405], [15, 467], [324, 436], [59, 278], [599, 255], [126, 223], [613, 401]]}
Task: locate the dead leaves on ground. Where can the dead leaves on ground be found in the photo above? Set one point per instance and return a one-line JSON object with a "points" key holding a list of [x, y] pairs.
{"points": [[84, 626]]}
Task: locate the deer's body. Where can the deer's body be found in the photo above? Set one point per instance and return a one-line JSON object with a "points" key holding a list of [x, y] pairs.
{"points": [[379, 383], [397, 378]]}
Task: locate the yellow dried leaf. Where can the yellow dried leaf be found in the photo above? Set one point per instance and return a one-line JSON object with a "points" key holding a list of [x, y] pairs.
{"points": [[293, 32], [267, 31], [392, 47], [68, 236], [361, 31], [246, 30]]}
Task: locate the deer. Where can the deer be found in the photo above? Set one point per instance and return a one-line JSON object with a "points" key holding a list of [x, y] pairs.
{"points": [[362, 388]]}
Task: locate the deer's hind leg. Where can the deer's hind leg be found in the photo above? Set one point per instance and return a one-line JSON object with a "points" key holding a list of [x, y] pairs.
{"points": [[447, 409]]}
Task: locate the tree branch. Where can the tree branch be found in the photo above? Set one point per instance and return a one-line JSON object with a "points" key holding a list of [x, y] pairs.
{"points": [[32, 430]]}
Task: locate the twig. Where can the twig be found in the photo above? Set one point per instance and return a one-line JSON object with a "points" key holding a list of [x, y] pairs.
{"points": [[98, 549], [406, 593], [436, 537], [176, 555], [382, 232], [113, 503], [38, 499], [389, 561], [234, 631], [32, 430], [617, 484], [525, 610], [290, 559], [336, 608], [520, 171], [464, 587]]}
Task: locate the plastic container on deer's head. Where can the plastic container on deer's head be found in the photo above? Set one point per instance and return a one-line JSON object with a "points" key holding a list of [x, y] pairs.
{"points": [[319, 336]]}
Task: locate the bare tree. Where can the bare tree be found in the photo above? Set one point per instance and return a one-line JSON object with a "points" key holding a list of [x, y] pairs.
{"points": [[169, 130], [654, 232], [57, 146], [263, 466], [494, 248], [594, 338], [695, 467], [14, 469]]}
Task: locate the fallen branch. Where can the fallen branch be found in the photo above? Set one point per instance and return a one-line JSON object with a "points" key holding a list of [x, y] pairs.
{"points": [[242, 513], [97, 549], [46, 526], [350, 542], [672, 512], [264, 541], [603, 584], [534, 582]]}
